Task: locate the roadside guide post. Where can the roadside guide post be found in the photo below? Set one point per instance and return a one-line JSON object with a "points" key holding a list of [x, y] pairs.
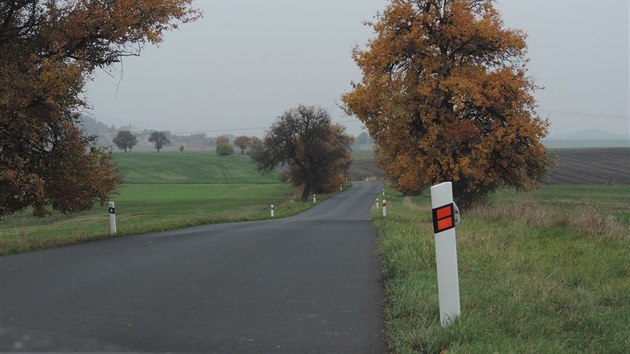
{"points": [[112, 218], [445, 218], [376, 202], [314, 199], [272, 211], [384, 207]]}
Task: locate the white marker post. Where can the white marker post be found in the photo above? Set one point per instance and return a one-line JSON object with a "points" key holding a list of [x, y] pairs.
{"points": [[383, 192], [314, 199], [112, 218], [384, 207], [272, 211], [376, 202], [445, 251], [341, 188]]}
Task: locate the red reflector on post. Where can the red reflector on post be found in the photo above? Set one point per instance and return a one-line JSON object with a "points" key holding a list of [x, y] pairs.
{"points": [[444, 212], [443, 218], [445, 224]]}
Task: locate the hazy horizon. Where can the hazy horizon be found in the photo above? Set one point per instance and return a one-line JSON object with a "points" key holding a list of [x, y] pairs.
{"points": [[246, 62]]}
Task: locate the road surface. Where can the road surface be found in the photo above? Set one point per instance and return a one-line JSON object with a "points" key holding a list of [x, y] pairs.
{"points": [[304, 284]]}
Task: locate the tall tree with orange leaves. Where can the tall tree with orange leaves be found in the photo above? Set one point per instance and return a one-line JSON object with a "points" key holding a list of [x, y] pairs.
{"points": [[446, 97], [48, 49]]}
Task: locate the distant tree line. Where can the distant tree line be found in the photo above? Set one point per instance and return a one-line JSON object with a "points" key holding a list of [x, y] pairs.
{"points": [[126, 140]]}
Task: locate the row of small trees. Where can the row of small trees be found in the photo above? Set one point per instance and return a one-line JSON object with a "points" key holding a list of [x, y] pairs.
{"points": [[126, 140]]}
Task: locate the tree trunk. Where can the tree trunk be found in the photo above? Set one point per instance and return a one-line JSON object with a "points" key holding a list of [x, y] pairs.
{"points": [[306, 192]]}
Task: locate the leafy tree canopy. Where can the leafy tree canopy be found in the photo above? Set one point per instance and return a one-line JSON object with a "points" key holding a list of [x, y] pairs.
{"points": [[315, 151], [242, 142], [446, 97], [125, 140], [225, 149], [160, 139]]}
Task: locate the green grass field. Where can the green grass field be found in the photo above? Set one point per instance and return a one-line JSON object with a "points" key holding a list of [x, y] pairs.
{"points": [[542, 272], [161, 192], [362, 155], [189, 167]]}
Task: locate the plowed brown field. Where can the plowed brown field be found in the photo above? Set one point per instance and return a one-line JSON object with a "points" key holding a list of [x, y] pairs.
{"points": [[574, 166], [591, 166]]}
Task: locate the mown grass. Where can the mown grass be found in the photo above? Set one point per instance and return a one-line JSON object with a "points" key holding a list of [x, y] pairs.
{"points": [[362, 155], [532, 279], [146, 204], [189, 167]]}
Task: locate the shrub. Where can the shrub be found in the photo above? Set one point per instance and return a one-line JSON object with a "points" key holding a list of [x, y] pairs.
{"points": [[225, 149]]}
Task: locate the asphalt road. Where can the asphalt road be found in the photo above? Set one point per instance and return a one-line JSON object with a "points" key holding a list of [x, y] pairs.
{"points": [[304, 284]]}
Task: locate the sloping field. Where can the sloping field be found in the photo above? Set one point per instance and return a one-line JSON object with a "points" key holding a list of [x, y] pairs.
{"points": [[189, 167], [162, 191], [592, 166]]}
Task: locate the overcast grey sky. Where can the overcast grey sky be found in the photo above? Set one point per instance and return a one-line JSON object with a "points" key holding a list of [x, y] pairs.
{"points": [[246, 62]]}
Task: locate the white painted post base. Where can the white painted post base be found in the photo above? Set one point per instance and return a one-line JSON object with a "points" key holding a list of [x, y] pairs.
{"points": [[446, 259], [112, 219]]}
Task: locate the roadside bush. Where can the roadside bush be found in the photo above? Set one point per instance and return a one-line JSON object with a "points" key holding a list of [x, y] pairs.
{"points": [[225, 149]]}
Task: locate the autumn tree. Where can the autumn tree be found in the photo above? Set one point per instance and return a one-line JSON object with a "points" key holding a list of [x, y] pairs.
{"points": [[160, 139], [48, 49], [222, 140], [446, 97], [242, 142], [314, 151], [125, 140], [224, 147]]}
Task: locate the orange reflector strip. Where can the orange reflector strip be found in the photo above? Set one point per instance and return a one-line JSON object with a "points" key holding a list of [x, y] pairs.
{"points": [[444, 224], [444, 212], [443, 218]]}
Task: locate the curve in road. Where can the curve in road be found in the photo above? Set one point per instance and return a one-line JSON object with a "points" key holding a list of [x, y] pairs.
{"points": [[308, 283]]}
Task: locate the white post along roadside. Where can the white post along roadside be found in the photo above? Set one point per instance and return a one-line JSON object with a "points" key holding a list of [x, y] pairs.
{"points": [[272, 211], [112, 218], [384, 207], [444, 222]]}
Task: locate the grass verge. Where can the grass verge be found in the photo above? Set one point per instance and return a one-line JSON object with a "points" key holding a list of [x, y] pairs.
{"points": [[144, 208], [545, 271]]}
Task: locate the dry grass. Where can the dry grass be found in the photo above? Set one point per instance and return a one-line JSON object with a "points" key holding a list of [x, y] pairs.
{"points": [[586, 218]]}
